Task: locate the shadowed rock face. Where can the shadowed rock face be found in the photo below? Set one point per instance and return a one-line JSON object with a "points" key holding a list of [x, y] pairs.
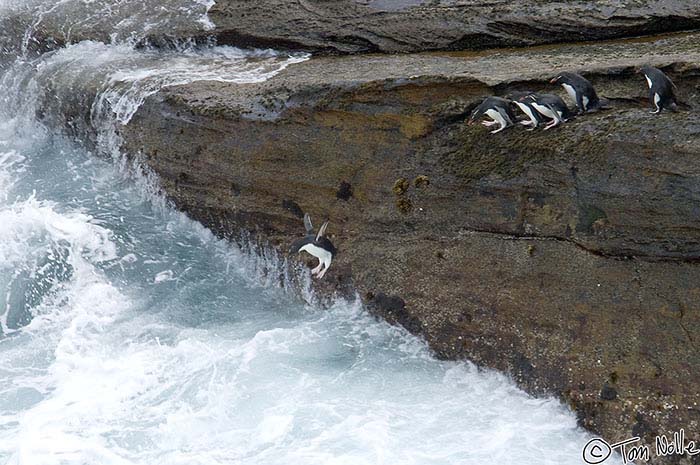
{"points": [[567, 258], [348, 26]]}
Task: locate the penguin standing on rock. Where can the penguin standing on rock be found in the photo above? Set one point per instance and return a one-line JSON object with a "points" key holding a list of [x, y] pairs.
{"points": [[661, 89], [552, 107], [521, 100], [498, 109], [317, 245], [579, 89]]}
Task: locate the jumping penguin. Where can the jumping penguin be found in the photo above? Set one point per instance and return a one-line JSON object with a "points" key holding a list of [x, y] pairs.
{"points": [[498, 109], [317, 245], [579, 89], [552, 107], [661, 89], [522, 101]]}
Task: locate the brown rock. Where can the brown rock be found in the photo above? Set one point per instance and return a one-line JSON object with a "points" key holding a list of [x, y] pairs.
{"points": [[560, 257]]}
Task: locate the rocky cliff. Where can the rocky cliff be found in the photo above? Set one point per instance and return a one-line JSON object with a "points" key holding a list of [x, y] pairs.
{"points": [[343, 26], [351, 26], [567, 258]]}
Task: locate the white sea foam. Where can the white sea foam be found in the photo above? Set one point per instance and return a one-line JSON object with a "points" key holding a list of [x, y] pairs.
{"points": [[128, 88], [303, 394], [116, 21]]}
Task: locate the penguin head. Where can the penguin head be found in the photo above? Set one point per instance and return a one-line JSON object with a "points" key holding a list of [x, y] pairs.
{"points": [[476, 114], [518, 96], [645, 70], [297, 245], [562, 78]]}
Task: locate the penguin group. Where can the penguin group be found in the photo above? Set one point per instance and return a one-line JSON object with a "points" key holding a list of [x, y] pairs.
{"points": [[549, 110]]}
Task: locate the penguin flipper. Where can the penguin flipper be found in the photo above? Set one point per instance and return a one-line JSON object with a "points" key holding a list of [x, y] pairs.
{"points": [[506, 117], [307, 224], [617, 101], [322, 230], [557, 118], [603, 103]]}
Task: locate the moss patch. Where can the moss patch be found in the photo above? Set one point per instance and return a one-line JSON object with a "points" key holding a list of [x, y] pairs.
{"points": [[421, 181], [404, 204], [400, 186], [479, 154], [473, 153]]}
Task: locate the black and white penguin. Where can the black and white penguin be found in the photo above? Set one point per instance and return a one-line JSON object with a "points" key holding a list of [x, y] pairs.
{"points": [[579, 89], [317, 245], [521, 101], [552, 107], [496, 108], [661, 89]]}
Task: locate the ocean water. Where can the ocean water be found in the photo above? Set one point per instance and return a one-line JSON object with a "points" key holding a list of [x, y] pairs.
{"points": [[129, 334]]}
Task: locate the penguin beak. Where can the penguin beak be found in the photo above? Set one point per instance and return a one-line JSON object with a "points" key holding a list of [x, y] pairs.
{"points": [[554, 80]]}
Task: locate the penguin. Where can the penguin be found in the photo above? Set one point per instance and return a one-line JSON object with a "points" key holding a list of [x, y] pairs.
{"points": [[521, 100], [661, 89], [317, 245], [552, 107], [579, 89], [498, 109]]}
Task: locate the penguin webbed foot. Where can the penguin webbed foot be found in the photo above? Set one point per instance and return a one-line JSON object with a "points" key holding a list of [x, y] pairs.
{"points": [[323, 271], [531, 125]]}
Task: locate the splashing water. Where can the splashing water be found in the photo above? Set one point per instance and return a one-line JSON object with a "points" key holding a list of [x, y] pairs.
{"points": [[130, 335], [51, 23]]}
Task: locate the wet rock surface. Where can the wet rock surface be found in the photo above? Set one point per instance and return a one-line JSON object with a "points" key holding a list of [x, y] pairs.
{"points": [[567, 258], [351, 26]]}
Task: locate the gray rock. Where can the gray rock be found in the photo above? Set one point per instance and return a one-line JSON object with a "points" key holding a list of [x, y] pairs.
{"points": [[351, 26]]}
